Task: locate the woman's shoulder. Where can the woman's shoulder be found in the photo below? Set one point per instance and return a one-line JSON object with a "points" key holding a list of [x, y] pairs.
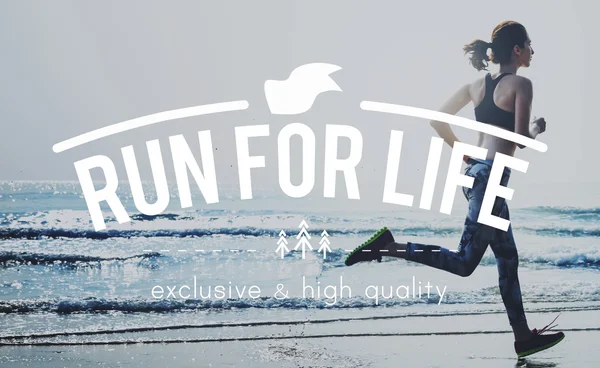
{"points": [[510, 83], [518, 81]]}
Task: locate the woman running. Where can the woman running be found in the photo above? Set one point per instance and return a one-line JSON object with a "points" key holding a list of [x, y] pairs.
{"points": [[503, 100]]}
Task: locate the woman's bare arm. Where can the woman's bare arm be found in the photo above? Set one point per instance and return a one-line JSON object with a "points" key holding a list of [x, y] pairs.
{"points": [[523, 100], [453, 105]]}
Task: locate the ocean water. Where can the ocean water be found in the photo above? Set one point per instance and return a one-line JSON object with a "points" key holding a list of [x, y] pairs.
{"points": [[62, 281]]}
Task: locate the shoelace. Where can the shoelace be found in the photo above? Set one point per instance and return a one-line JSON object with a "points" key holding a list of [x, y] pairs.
{"points": [[548, 327]]}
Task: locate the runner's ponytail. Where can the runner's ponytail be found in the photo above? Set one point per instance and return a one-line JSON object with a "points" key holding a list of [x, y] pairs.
{"points": [[478, 50]]}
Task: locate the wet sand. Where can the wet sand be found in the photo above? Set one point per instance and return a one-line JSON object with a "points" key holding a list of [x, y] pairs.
{"points": [[449, 341]]}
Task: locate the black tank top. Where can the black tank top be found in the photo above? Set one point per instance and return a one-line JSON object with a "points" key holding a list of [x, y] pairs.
{"points": [[487, 111]]}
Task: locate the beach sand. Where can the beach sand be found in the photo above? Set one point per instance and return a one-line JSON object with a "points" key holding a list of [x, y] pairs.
{"points": [[449, 341]]}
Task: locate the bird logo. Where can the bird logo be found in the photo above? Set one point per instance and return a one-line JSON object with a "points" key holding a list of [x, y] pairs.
{"points": [[297, 94]]}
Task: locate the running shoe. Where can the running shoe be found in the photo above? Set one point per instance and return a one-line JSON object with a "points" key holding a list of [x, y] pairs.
{"points": [[371, 249], [539, 341]]}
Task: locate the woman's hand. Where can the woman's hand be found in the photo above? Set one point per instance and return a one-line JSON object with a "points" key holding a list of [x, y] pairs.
{"points": [[537, 126]]}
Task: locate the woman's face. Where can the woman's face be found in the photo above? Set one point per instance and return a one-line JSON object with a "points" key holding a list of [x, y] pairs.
{"points": [[525, 54]]}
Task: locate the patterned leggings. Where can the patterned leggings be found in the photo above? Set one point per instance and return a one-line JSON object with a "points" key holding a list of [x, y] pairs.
{"points": [[474, 242]]}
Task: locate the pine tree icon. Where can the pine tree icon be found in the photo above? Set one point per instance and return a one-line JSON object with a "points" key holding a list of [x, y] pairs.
{"points": [[303, 235], [324, 244], [282, 242]]}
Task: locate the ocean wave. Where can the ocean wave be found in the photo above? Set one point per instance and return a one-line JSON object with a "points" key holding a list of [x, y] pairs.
{"points": [[41, 258], [38, 233], [101, 305], [590, 214], [334, 259], [575, 233], [41, 233], [541, 221], [168, 216], [146, 306], [564, 210]]}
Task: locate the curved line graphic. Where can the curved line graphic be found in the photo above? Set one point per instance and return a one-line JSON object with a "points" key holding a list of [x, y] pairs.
{"points": [[454, 120], [149, 120]]}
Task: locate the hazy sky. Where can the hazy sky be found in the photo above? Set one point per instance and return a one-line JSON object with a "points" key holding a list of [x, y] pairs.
{"points": [[69, 67]]}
